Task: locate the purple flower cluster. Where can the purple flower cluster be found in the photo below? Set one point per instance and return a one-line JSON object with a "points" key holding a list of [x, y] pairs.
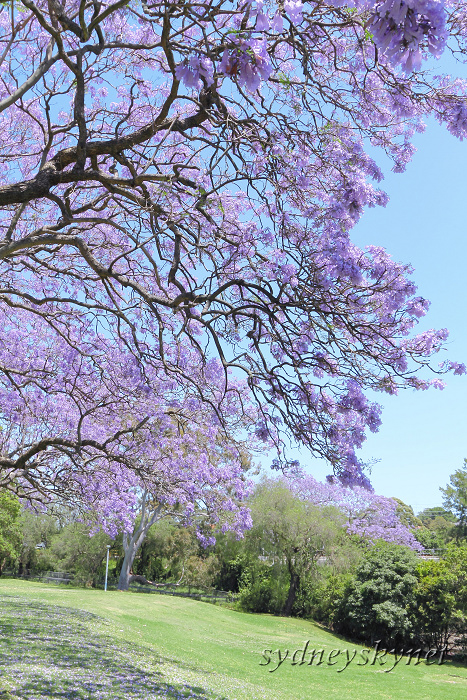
{"points": [[193, 70], [368, 515], [167, 265], [246, 59], [454, 113], [293, 10], [403, 29]]}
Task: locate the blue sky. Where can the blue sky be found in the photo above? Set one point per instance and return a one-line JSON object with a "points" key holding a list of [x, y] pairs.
{"points": [[423, 439]]}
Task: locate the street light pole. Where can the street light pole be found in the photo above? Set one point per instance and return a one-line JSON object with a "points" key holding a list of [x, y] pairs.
{"points": [[107, 567]]}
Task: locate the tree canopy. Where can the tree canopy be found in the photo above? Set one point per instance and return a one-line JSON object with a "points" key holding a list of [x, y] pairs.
{"points": [[366, 514], [455, 499], [295, 530], [10, 528], [178, 183]]}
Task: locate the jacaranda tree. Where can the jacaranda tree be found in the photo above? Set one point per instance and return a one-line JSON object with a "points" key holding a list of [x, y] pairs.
{"points": [[366, 514], [178, 185]]}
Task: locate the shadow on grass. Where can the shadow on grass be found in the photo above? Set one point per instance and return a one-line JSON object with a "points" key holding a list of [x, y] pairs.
{"points": [[50, 651]]}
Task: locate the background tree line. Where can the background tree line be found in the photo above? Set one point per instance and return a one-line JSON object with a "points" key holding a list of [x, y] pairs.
{"points": [[299, 558]]}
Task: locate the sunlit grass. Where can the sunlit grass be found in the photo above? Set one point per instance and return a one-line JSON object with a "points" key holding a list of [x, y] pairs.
{"points": [[88, 644], [49, 651]]}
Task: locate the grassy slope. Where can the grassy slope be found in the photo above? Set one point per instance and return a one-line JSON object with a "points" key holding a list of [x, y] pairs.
{"points": [[216, 650]]}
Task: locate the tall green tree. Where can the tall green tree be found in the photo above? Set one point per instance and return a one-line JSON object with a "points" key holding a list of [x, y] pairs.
{"points": [[455, 499], [10, 528], [294, 530], [406, 515], [39, 528], [427, 515]]}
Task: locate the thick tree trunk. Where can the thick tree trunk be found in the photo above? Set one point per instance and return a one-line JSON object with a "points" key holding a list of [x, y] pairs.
{"points": [[293, 588], [125, 573], [126, 576], [132, 543]]}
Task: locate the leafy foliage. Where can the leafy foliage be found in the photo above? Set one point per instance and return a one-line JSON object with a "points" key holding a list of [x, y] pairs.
{"points": [[38, 530], [406, 515], [292, 530], [73, 549], [436, 533], [173, 553], [376, 602], [440, 605], [455, 499], [10, 528]]}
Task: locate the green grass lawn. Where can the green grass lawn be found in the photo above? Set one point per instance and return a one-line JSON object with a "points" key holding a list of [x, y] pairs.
{"points": [[88, 644]]}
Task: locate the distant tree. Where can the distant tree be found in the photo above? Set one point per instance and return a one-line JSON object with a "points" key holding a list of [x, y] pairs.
{"points": [[172, 546], [73, 549], [366, 514], [10, 528], [233, 559], [455, 499], [173, 553], [155, 557], [436, 530], [150, 513], [427, 515], [406, 515], [435, 537], [210, 499], [201, 571], [38, 529], [295, 530]]}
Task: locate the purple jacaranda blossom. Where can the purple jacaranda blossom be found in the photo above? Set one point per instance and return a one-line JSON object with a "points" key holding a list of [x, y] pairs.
{"points": [[177, 263], [457, 367], [277, 24], [247, 61], [367, 515], [294, 9], [262, 22], [454, 115], [403, 29], [193, 69]]}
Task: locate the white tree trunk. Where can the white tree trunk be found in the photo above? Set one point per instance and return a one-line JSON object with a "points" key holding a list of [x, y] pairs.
{"points": [[131, 543], [130, 553]]}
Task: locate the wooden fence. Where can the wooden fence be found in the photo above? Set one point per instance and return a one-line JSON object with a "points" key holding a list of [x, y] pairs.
{"points": [[208, 594]]}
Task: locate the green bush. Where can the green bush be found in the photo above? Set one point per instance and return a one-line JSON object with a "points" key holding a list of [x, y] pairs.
{"points": [[10, 529], [377, 603], [321, 599], [262, 589], [439, 609]]}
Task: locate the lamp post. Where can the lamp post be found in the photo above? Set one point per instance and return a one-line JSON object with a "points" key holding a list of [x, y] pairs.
{"points": [[107, 567]]}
